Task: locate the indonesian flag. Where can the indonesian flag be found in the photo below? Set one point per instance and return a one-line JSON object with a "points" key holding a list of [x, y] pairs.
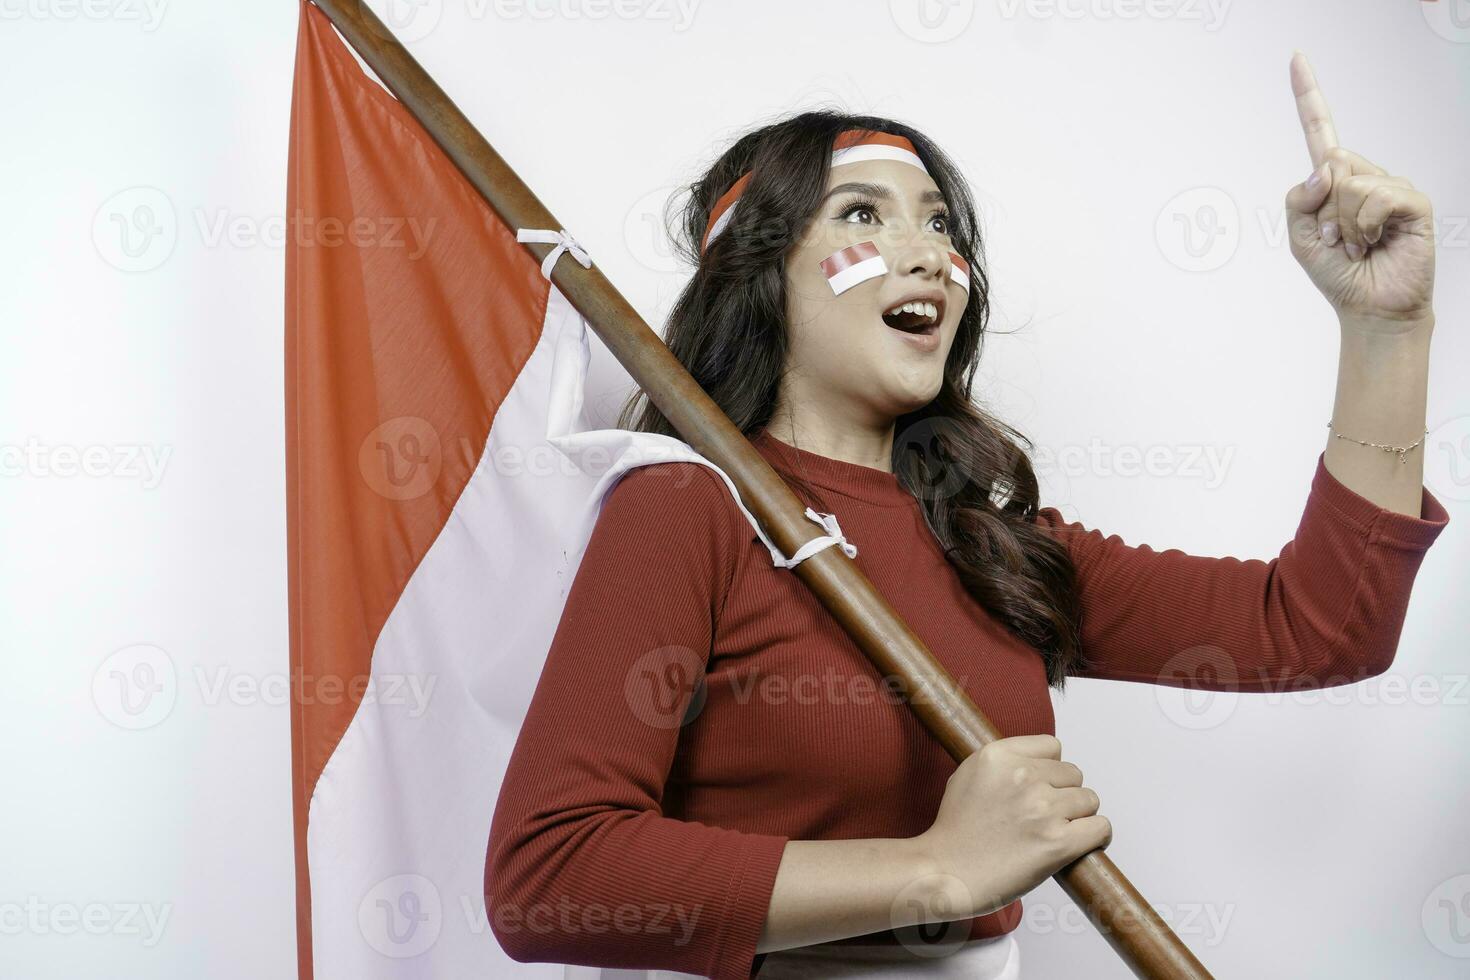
{"points": [[847, 267], [441, 491]]}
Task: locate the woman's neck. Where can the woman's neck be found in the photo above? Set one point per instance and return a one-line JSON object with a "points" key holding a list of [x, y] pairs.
{"points": [[842, 440]]}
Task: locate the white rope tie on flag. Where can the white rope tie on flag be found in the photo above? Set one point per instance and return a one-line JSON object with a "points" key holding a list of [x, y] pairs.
{"points": [[563, 243], [833, 536]]}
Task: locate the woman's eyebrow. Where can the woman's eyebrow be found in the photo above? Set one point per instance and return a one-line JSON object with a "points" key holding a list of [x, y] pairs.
{"points": [[870, 189], [880, 191]]}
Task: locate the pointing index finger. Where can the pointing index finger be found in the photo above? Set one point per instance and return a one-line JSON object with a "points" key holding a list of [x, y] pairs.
{"points": [[1312, 109]]}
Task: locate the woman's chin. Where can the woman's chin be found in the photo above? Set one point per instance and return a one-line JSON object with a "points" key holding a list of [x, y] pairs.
{"points": [[905, 396]]}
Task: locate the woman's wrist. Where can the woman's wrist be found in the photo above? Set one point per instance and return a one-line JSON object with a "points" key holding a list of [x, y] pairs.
{"points": [[835, 889], [933, 886], [1416, 326], [937, 888]]}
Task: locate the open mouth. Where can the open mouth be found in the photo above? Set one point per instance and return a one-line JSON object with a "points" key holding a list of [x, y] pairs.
{"points": [[917, 316]]}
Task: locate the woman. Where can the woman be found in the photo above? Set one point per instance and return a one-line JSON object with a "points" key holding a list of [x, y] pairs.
{"points": [[713, 781]]}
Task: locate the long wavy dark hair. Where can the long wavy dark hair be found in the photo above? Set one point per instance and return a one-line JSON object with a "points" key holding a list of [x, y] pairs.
{"points": [[977, 487]]}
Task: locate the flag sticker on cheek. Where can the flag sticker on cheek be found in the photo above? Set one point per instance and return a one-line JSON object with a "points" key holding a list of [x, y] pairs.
{"points": [[959, 271], [847, 267]]}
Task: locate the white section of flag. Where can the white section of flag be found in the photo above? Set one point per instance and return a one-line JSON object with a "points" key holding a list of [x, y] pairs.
{"points": [[720, 223], [400, 818], [856, 273], [876, 151], [960, 276]]}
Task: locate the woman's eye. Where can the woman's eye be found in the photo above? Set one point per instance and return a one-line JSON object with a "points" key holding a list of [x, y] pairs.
{"points": [[940, 223], [860, 210]]}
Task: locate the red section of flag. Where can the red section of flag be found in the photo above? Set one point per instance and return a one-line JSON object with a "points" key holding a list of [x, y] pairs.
{"points": [[855, 137], [726, 202], [410, 310], [848, 257]]}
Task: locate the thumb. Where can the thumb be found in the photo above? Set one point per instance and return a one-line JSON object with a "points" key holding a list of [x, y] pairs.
{"points": [[1302, 202]]}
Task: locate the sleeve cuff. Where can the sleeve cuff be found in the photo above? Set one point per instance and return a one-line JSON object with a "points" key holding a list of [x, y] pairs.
{"points": [[760, 857], [1387, 526]]}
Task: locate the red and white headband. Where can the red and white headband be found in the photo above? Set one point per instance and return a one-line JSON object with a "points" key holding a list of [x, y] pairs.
{"points": [[850, 146]]}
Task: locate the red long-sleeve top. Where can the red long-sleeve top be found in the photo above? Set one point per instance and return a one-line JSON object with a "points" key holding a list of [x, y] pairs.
{"points": [[644, 813]]}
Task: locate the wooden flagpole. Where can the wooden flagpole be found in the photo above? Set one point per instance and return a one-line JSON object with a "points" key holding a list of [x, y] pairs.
{"points": [[1130, 925]]}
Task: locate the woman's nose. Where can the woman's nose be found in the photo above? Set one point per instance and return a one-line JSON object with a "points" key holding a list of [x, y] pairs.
{"points": [[922, 257]]}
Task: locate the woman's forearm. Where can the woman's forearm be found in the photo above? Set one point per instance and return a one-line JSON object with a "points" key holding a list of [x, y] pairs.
{"points": [[1382, 387], [833, 889]]}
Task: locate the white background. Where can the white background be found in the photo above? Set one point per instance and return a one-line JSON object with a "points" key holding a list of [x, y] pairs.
{"points": [[1130, 161]]}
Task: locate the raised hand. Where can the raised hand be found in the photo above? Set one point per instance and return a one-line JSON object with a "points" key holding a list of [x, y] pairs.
{"points": [[1365, 238]]}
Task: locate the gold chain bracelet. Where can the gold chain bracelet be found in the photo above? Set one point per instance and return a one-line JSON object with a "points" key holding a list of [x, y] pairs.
{"points": [[1401, 450]]}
